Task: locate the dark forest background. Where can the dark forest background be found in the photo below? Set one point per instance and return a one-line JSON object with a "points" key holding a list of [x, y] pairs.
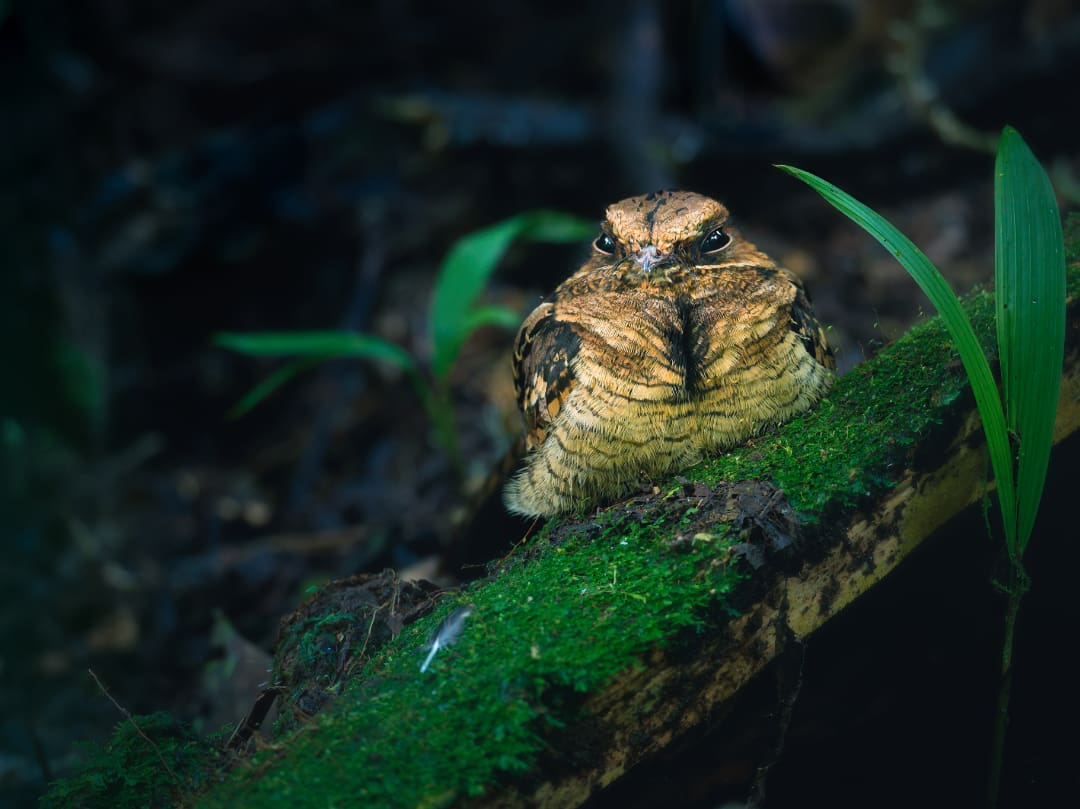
{"points": [[173, 170]]}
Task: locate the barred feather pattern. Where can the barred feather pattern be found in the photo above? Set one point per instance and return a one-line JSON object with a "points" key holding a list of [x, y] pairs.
{"points": [[652, 356]]}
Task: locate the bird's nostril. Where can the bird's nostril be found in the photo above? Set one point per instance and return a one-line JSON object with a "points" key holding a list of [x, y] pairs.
{"points": [[648, 257]]}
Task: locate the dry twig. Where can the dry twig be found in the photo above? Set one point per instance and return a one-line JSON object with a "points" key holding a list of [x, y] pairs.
{"points": [[134, 724]]}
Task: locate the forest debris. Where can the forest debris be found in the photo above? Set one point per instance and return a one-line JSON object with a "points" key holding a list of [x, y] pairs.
{"points": [[447, 632]]}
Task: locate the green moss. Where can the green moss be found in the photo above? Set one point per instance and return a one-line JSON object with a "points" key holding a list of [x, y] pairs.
{"points": [[314, 663], [128, 772], [587, 598], [556, 623], [864, 429], [329, 633], [582, 602], [1072, 251]]}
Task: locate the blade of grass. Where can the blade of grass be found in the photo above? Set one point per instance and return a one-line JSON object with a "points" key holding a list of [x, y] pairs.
{"points": [[468, 267], [1029, 257], [272, 382], [320, 344], [325, 345], [937, 289]]}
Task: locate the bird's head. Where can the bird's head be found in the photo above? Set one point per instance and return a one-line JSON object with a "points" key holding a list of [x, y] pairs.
{"points": [[657, 235]]}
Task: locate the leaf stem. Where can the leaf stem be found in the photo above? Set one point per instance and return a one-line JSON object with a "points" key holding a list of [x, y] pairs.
{"points": [[1019, 583], [439, 404]]}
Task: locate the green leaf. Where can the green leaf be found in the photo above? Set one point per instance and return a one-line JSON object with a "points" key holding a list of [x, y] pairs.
{"points": [[83, 381], [318, 344], [468, 267], [937, 289], [1030, 297], [502, 316], [271, 384]]}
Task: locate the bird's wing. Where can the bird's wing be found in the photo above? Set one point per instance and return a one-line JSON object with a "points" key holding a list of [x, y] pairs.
{"points": [[806, 325], [544, 353]]}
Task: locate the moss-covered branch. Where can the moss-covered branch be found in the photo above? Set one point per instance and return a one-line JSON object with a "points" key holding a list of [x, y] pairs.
{"points": [[611, 635]]}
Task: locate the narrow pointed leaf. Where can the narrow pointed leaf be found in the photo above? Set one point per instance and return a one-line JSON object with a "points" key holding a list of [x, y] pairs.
{"points": [[316, 346], [322, 344], [468, 267], [269, 385], [1030, 298], [937, 289]]}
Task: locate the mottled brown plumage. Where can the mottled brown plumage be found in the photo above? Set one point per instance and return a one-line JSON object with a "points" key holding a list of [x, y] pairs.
{"points": [[678, 337]]}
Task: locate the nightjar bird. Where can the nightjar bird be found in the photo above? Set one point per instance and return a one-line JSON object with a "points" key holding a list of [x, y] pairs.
{"points": [[677, 338]]}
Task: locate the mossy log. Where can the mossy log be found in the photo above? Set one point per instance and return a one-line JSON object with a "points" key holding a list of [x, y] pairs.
{"points": [[619, 644]]}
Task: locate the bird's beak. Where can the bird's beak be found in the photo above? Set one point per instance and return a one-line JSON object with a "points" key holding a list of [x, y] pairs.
{"points": [[649, 257]]}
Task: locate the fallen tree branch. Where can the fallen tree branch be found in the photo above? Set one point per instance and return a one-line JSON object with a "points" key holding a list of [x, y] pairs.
{"points": [[608, 640]]}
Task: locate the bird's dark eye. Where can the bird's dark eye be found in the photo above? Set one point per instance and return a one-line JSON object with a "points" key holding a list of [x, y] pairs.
{"points": [[717, 240], [605, 244]]}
